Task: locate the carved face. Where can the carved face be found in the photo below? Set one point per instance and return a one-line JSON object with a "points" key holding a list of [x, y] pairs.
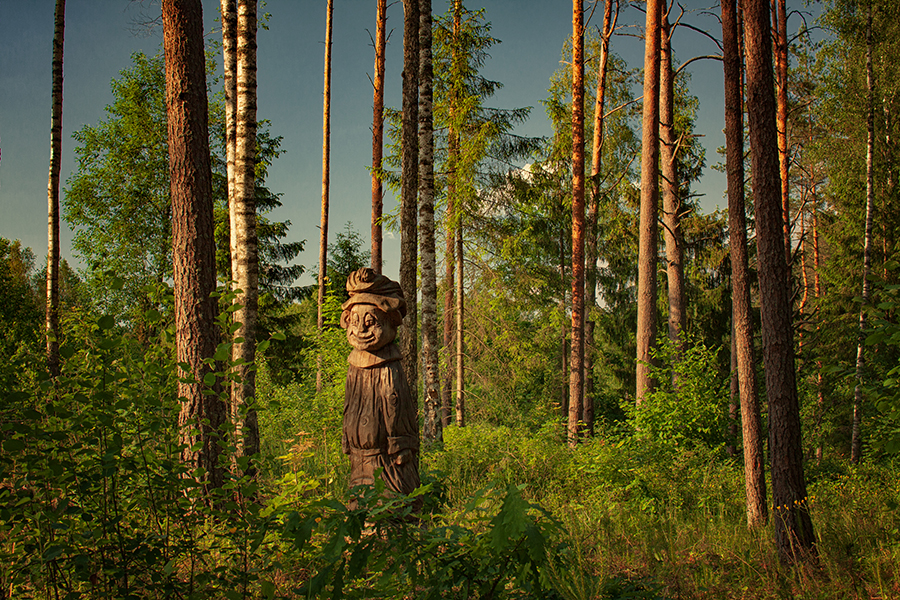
{"points": [[368, 327]]}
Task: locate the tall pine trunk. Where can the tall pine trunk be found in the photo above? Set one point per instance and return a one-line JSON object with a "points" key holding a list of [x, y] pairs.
{"points": [[576, 381], [378, 133], [433, 425], [781, 74], [409, 189], [741, 307], [591, 251], [670, 187], [647, 243], [193, 247], [856, 436], [52, 313], [326, 158], [793, 526], [245, 256]]}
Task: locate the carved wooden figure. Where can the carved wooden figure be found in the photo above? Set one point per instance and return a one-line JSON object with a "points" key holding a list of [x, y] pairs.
{"points": [[380, 417]]}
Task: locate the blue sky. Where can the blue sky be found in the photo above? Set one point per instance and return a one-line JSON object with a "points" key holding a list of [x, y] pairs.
{"points": [[101, 35]]}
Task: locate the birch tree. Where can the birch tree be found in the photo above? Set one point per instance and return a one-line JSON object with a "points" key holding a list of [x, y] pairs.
{"points": [[244, 241], [52, 311]]}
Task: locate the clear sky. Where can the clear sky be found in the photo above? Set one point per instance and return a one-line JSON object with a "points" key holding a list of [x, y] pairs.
{"points": [[101, 35]]}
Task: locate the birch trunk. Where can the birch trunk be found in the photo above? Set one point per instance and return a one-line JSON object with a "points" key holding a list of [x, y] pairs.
{"points": [[244, 258], [856, 436], [229, 67], [460, 345], [52, 313]]}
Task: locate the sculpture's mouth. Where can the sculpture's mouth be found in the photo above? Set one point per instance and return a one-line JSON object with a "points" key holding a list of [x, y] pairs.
{"points": [[363, 340]]}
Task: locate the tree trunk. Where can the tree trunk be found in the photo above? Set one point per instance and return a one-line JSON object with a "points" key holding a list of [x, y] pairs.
{"points": [[856, 438], [671, 199], [378, 134], [460, 331], [52, 312], [820, 391], [647, 243], [432, 429], [193, 245], [781, 74], [229, 67], [741, 307], [326, 158], [793, 527], [576, 381], [449, 318], [591, 251], [245, 260], [409, 194]]}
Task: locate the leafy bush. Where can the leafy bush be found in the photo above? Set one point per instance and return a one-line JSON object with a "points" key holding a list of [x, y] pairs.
{"points": [[688, 406]]}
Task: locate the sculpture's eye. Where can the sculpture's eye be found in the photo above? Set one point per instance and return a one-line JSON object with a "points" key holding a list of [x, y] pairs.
{"points": [[354, 320], [370, 321]]}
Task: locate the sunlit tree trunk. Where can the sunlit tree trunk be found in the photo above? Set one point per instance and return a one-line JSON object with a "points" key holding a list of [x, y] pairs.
{"points": [[448, 346], [245, 259], [741, 307], [52, 313], [647, 243], [576, 377], [433, 425], [460, 330], [820, 391], [610, 16], [793, 526], [228, 9], [781, 74], [193, 246], [378, 133], [409, 188], [856, 437], [326, 158], [671, 201]]}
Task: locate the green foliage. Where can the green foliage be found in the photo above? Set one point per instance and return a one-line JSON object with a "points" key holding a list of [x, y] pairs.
{"points": [[380, 550], [688, 406], [20, 318]]}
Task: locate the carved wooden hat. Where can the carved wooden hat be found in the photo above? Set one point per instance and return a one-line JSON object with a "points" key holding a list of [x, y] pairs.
{"points": [[365, 286]]}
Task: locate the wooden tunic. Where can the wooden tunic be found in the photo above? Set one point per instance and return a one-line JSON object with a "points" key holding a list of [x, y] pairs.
{"points": [[380, 421]]}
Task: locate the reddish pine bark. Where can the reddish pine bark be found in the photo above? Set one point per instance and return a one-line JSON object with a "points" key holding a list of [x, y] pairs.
{"points": [[576, 381], [193, 245], [741, 307], [794, 535], [378, 133], [647, 243], [326, 157]]}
